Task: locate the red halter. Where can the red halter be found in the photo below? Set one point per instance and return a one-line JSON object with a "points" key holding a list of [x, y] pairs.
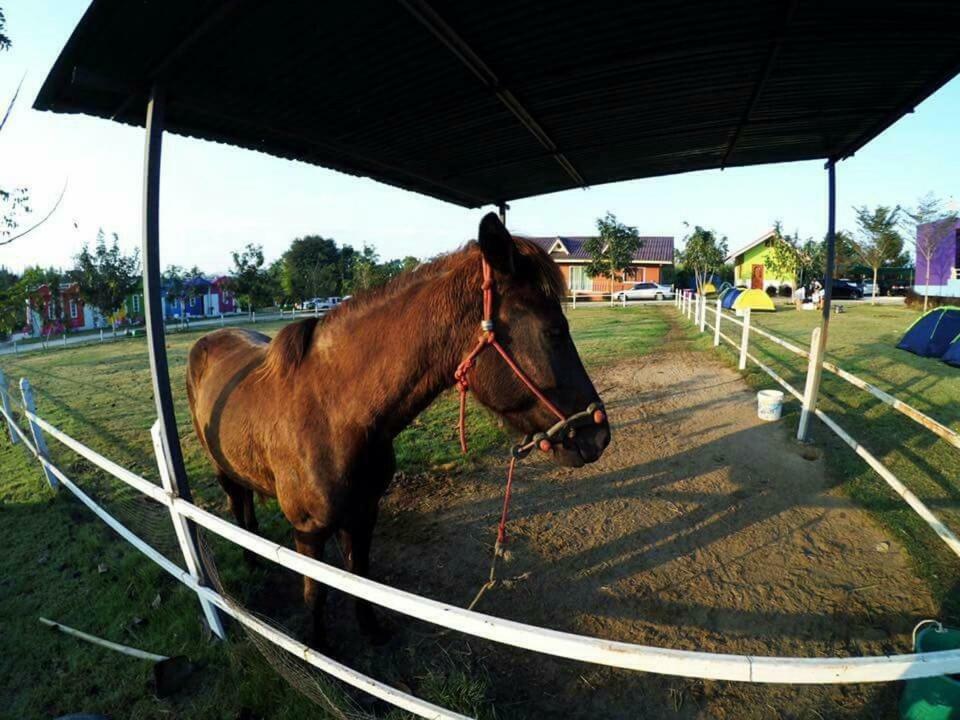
{"points": [[594, 413]]}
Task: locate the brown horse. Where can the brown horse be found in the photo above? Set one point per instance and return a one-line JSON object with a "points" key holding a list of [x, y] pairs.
{"points": [[310, 417]]}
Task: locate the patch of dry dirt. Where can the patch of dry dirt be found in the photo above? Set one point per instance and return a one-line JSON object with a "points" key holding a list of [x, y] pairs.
{"points": [[701, 527]]}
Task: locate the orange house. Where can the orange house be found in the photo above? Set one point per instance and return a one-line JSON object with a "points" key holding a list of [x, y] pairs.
{"points": [[653, 257]]}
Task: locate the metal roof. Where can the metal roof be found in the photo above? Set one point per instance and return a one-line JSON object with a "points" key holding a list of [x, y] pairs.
{"points": [[653, 249], [486, 102]]}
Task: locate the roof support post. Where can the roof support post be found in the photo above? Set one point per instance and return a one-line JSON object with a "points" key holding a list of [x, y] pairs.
{"points": [[502, 208], [815, 369], [168, 441]]}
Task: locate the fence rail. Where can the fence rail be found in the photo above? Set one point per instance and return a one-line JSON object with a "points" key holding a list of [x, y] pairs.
{"points": [[696, 307], [668, 661]]}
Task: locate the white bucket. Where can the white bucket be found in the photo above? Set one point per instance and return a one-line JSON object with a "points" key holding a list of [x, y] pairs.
{"points": [[769, 404]]}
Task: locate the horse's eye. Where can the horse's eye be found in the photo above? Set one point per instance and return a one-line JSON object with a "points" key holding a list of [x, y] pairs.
{"points": [[554, 333]]}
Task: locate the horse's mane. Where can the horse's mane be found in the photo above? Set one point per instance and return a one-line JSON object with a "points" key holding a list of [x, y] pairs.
{"points": [[531, 265]]}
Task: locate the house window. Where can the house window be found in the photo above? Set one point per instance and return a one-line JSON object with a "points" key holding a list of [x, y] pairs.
{"points": [[73, 310], [579, 280], [136, 303]]}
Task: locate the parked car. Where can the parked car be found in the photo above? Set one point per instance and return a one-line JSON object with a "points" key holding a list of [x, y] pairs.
{"points": [[867, 289], [846, 290], [646, 291]]}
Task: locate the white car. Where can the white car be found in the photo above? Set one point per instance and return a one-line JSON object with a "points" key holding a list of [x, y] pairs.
{"points": [[646, 291]]}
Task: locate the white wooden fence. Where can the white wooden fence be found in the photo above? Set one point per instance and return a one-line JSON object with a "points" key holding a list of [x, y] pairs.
{"points": [[696, 307], [687, 663]]}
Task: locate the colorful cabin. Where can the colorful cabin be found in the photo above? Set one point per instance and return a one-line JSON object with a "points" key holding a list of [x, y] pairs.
{"points": [[933, 332], [756, 300]]}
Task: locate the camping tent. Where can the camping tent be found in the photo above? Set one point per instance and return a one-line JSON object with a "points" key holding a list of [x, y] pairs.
{"points": [[932, 332], [730, 297], [952, 355], [756, 300]]}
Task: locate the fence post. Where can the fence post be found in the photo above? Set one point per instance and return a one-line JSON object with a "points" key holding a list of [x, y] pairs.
{"points": [[101, 336], [187, 545], [221, 319], [623, 300], [5, 398], [64, 339], [716, 326], [814, 370], [745, 339], [38, 441], [253, 314], [703, 313]]}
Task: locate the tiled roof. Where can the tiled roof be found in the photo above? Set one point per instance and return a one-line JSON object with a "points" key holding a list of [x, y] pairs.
{"points": [[652, 249]]}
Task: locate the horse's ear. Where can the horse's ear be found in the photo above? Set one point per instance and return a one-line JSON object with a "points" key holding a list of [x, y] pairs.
{"points": [[496, 244]]}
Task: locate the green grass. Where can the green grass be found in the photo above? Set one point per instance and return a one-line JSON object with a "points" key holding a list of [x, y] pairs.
{"points": [[863, 341], [60, 561]]}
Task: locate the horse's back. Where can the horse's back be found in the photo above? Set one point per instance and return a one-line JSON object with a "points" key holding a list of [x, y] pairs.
{"points": [[219, 348]]}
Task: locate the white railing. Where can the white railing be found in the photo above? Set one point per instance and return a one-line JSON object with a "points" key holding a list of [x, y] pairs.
{"points": [[668, 661], [807, 398]]}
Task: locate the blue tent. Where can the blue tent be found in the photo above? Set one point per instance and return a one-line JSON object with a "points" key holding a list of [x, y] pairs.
{"points": [[932, 333], [952, 355], [730, 297]]}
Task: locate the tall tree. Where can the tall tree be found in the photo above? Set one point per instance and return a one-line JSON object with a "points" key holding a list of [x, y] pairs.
{"points": [[4, 39], [34, 279], [311, 268], [366, 272], [938, 223], [612, 250], [879, 242], [794, 258], [703, 253], [250, 282], [106, 276]]}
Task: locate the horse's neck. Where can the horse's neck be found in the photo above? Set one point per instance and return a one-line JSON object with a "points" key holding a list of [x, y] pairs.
{"points": [[404, 349]]}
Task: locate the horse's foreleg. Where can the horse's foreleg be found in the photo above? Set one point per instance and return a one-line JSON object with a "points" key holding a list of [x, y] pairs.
{"points": [[355, 539], [314, 593]]}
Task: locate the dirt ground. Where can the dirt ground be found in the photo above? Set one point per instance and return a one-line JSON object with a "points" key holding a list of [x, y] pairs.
{"points": [[701, 527]]}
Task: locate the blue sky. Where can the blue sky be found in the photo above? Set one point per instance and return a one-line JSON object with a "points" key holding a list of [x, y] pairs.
{"points": [[216, 198]]}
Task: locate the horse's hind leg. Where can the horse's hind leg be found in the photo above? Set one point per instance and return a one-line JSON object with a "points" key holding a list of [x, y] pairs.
{"points": [[241, 505], [311, 544], [355, 539]]}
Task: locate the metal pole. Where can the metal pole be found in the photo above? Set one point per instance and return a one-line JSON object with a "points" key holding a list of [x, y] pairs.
{"points": [[816, 369], [502, 208], [168, 439]]}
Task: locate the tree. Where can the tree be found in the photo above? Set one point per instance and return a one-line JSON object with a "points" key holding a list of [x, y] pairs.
{"points": [[938, 225], [106, 276], [366, 270], [34, 278], [703, 253], [879, 242], [613, 249], [311, 268], [12, 299], [794, 258], [250, 282], [15, 202], [4, 39]]}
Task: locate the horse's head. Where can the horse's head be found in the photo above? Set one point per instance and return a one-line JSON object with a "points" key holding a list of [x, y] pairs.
{"points": [[529, 323]]}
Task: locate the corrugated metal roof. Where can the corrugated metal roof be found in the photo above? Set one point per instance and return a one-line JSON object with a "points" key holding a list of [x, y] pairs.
{"points": [[654, 249], [486, 102]]}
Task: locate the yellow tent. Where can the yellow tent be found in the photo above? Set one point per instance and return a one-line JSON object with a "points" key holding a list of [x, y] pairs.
{"points": [[709, 288], [756, 300]]}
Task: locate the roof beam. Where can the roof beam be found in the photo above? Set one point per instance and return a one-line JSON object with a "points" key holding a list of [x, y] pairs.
{"points": [[428, 17], [774, 50]]}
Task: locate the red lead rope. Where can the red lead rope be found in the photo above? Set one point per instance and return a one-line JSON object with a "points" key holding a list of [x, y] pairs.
{"points": [[488, 338]]}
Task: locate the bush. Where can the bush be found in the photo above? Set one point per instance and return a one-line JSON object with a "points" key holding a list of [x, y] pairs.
{"points": [[915, 300], [786, 291], [772, 291]]}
